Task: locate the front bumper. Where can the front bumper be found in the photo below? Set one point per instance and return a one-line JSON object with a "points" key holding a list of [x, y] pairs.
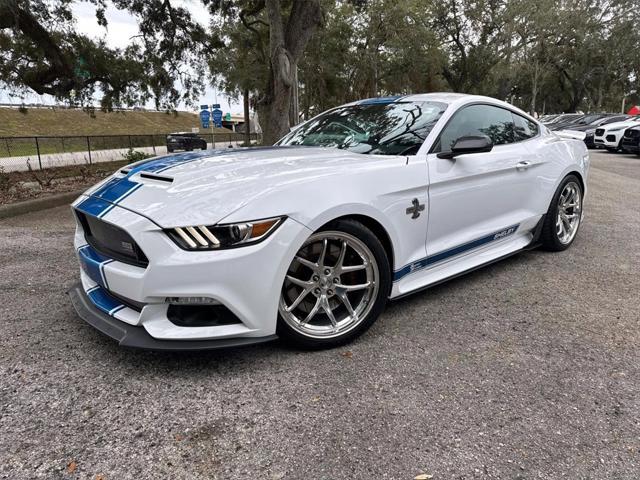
{"points": [[137, 337], [609, 140], [245, 281], [630, 146]]}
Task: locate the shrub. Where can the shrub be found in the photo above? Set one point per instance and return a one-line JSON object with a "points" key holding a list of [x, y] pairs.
{"points": [[135, 156]]}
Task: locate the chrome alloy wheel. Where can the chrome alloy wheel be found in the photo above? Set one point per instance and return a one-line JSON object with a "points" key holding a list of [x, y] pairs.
{"points": [[330, 287], [569, 212]]}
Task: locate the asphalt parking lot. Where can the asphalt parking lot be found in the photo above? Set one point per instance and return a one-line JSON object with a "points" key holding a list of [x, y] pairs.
{"points": [[526, 369]]}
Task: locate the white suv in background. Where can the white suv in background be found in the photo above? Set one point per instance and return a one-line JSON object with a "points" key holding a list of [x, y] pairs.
{"points": [[609, 136]]}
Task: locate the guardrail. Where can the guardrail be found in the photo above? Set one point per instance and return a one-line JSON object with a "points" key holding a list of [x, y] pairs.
{"points": [[40, 152]]}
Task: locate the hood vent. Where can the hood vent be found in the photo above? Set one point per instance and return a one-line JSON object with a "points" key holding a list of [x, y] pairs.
{"points": [[153, 176]]}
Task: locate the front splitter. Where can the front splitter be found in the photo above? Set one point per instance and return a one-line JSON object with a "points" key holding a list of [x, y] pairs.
{"points": [[137, 337]]}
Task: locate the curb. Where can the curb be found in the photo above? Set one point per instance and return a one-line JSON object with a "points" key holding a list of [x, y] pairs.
{"points": [[37, 204]]}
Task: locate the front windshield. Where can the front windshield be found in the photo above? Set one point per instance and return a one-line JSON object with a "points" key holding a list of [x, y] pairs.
{"points": [[397, 128]]}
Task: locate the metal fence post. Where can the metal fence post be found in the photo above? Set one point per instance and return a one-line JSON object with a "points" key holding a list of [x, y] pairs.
{"points": [[130, 147], [38, 150], [153, 144], [89, 149]]}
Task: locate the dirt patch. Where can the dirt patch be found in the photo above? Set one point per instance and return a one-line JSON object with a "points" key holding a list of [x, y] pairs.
{"points": [[20, 186]]}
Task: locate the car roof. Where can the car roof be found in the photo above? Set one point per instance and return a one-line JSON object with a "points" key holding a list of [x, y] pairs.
{"points": [[450, 98]]}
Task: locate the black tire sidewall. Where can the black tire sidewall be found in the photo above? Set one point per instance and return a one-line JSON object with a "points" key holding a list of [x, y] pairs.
{"points": [[550, 240], [364, 234]]}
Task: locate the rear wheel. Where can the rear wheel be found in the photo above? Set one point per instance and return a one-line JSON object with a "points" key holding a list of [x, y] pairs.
{"points": [[564, 216], [335, 288]]}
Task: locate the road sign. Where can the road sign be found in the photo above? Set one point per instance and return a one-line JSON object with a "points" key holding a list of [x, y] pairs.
{"points": [[214, 106], [227, 117], [204, 118], [217, 117]]}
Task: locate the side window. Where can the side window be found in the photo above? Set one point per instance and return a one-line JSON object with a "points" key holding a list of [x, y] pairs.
{"points": [[495, 122], [523, 128]]}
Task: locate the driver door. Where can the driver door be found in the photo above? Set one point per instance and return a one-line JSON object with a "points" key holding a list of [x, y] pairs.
{"points": [[476, 198]]}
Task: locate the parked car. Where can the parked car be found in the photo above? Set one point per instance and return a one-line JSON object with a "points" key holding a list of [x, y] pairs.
{"points": [[609, 136], [563, 118], [307, 240], [631, 140], [185, 141], [590, 129], [578, 122]]}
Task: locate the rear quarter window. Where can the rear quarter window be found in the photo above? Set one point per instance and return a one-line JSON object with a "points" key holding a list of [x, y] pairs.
{"points": [[524, 128]]}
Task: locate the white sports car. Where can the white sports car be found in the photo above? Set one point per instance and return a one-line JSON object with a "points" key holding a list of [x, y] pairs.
{"points": [[308, 240]]}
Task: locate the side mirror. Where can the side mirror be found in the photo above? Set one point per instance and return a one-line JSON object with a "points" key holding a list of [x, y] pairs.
{"points": [[466, 145]]}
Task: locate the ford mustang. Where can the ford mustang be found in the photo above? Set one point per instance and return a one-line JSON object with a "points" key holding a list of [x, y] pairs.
{"points": [[308, 240]]}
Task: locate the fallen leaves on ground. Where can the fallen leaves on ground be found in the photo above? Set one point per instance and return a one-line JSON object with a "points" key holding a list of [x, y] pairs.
{"points": [[347, 354], [423, 476], [72, 466]]}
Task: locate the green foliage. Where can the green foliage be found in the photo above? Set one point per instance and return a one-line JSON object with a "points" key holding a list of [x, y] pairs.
{"points": [[135, 156], [551, 54]]}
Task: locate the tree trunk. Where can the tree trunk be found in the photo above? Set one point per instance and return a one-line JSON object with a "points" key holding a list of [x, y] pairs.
{"points": [[287, 41], [247, 120]]}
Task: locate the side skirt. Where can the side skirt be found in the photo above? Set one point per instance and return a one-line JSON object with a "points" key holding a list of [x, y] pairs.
{"points": [[533, 244]]}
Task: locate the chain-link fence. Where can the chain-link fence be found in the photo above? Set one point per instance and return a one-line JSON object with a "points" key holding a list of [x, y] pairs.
{"points": [[38, 153]]}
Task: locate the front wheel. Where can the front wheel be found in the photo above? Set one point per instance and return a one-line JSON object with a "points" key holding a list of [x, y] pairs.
{"points": [[335, 288], [564, 216]]}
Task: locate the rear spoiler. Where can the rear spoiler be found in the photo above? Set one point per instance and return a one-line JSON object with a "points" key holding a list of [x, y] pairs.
{"points": [[571, 134]]}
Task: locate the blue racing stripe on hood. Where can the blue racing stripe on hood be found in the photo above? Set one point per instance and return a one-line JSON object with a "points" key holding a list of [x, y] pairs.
{"points": [[116, 189]]}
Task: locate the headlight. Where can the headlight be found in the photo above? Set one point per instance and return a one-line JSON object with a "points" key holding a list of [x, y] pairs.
{"points": [[591, 131], [216, 237]]}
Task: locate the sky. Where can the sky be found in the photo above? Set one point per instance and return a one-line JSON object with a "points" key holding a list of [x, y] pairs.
{"points": [[121, 27]]}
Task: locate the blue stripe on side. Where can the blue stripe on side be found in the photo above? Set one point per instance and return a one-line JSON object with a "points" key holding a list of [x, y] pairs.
{"points": [[93, 263], [452, 252], [379, 100], [104, 301]]}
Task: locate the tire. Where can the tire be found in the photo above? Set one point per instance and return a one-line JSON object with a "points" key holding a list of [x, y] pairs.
{"points": [[552, 236], [611, 149], [316, 281], [169, 150]]}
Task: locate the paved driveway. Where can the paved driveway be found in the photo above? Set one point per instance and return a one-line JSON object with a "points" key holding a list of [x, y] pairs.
{"points": [[526, 369]]}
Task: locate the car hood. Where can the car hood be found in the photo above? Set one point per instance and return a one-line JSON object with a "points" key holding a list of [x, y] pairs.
{"points": [[626, 123], [202, 188]]}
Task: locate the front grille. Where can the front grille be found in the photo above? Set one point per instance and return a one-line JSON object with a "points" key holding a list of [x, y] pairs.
{"points": [[599, 132], [111, 241]]}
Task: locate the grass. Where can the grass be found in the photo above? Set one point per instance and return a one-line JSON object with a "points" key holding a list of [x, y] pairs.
{"points": [[60, 122], [109, 130]]}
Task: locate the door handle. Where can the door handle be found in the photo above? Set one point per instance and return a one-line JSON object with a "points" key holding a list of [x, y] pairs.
{"points": [[523, 165]]}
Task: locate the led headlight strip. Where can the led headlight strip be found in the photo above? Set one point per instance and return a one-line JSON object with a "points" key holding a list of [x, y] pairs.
{"points": [[215, 237]]}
